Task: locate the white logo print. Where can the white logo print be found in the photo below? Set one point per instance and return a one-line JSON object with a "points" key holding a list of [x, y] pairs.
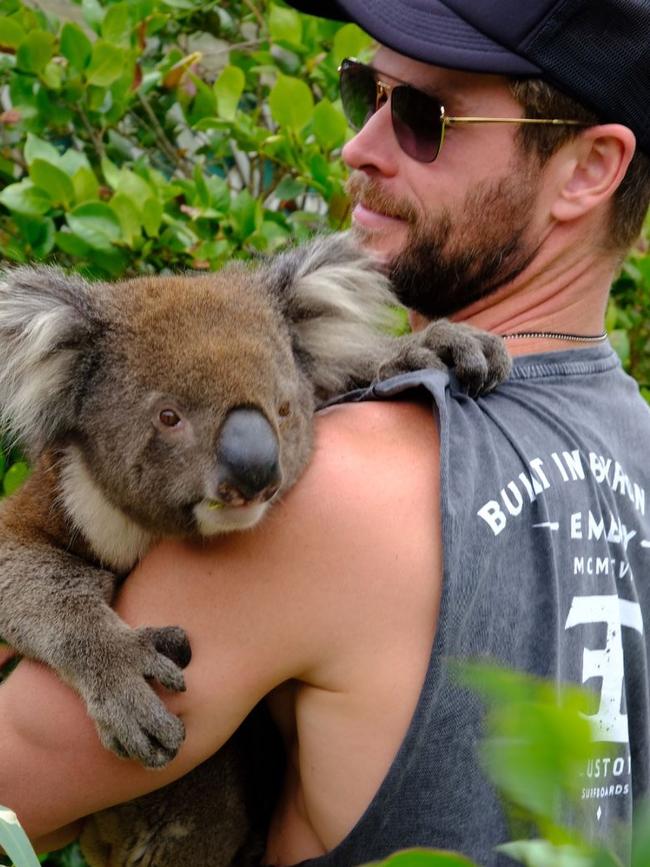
{"points": [[609, 723]]}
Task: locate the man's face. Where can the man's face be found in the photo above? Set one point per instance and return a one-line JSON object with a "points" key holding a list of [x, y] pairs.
{"points": [[454, 230]]}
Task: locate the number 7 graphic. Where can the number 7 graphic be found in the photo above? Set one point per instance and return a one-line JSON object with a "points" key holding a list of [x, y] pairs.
{"points": [[609, 724]]}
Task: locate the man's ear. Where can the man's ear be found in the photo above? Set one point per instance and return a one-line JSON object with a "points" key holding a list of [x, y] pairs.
{"points": [[47, 324], [339, 307], [594, 164]]}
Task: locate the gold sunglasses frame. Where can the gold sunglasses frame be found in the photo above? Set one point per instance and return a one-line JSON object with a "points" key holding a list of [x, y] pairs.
{"points": [[384, 90]]}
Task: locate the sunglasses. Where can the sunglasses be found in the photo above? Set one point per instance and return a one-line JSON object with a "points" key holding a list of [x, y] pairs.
{"points": [[419, 120]]}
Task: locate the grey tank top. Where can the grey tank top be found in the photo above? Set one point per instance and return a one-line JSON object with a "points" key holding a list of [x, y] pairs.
{"points": [[545, 489]]}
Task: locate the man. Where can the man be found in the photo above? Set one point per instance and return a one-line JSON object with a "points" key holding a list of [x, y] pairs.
{"points": [[514, 527]]}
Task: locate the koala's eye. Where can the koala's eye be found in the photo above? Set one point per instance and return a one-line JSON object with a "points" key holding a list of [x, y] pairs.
{"points": [[169, 418], [284, 409]]}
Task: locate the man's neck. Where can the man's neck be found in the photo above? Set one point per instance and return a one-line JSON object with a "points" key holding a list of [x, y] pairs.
{"points": [[563, 290]]}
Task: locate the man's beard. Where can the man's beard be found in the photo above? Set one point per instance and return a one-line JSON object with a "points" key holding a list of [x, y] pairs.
{"points": [[451, 261]]}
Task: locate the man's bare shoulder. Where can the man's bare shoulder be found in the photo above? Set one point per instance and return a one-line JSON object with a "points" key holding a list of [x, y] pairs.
{"points": [[374, 473], [398, 441]]}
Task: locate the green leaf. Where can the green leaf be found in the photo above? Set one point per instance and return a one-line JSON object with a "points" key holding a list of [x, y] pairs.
{"points": [[93, 13], [202, 192], [85, 185], [275, 236], [641, 843], [228, 89], [25, 198], [111, 173], [38, 149], [106, 65], [96, 224], [152, 213], [14, 840], [141, 9], [330, 126], [132, 185], [116, 27], [424, 858], [75, 46], [56, 183], [212, 123], [52, 75], [289, 188], [291, 103], [541, 853], [285, 25], [620, 340], [350, 41], [73, 160], [35, 51], [14, 477], [72, 245], [11, 33], [97, 98], [538, 737], [129, 216], [38, 232], [245, 214]]}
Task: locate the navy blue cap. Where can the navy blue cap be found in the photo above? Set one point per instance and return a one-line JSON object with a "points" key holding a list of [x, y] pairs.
{"points": [[597, 51]]}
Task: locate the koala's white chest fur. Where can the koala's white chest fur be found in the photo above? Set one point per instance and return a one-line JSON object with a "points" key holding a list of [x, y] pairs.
{"points": [[116, 540]]}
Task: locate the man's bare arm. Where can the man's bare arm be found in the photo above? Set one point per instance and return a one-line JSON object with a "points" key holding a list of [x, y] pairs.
{"points": [[288, 600]]}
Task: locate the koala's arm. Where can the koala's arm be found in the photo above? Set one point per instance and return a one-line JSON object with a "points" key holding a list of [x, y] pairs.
{"points": [[55, 608]]}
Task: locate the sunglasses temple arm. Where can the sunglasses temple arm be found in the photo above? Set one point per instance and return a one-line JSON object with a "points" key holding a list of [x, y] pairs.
{"points": [[547, 121]]}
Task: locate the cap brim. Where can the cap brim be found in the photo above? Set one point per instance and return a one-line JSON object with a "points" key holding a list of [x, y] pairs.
{"points": [[429, 31]]}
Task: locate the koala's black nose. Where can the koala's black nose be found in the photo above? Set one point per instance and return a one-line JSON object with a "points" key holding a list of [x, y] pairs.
{"points": [[249, 457]]}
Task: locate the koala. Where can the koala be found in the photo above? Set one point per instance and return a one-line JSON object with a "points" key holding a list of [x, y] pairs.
{"points": [[174, 406]]}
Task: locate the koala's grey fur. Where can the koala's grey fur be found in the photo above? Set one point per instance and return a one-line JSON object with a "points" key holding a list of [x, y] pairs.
{"points": [[85, 370]]}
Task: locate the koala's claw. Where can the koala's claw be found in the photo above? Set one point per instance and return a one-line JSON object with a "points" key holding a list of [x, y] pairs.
{"points": [[134, 724], [130, 718], [171, 641], [128, 733], [480, 359]]}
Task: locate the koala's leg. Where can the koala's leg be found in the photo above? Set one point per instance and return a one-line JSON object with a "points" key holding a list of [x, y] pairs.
{"points": [[215, 816], [54, 608]]}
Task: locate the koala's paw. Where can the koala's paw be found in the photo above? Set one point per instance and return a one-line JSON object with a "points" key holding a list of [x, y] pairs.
{"points": [[480, 359], [130, 718]]}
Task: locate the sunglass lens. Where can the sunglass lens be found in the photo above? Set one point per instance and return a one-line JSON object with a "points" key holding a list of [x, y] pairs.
{"points": [[358, 93], [417, 123]]}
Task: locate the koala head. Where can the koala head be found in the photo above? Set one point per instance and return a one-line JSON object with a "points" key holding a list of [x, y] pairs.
{"points": [[186, 401]]}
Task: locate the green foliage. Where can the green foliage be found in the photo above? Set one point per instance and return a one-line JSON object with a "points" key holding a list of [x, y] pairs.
{"points": [[628, 315], [536, 743], [424, 858], [128, 149]]}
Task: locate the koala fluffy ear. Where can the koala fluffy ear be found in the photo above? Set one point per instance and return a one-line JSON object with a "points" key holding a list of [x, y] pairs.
{"points": [[46, 323], [340, 308]]}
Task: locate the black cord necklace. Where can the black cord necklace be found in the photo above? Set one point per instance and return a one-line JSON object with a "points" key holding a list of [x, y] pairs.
{"points": [[557, 335]]}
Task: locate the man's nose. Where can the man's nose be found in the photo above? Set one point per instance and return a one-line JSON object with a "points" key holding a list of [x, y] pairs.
{"points": [[374, 148], [248, 455]]}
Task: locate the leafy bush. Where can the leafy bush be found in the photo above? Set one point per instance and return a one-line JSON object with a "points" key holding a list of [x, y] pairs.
{"points": [[127, 148]]}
